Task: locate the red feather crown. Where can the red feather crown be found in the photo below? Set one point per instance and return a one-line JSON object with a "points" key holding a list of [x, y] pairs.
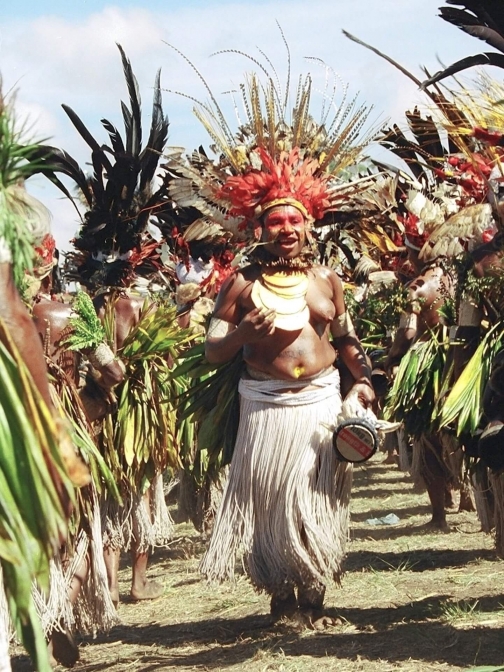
{"points": [[286, 180]]}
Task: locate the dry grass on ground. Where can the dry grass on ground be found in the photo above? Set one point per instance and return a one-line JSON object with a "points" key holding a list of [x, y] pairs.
{"points": [[410, 600]]}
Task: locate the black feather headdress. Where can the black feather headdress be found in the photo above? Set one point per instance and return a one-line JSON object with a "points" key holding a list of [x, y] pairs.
{"points": [[121, 196]]}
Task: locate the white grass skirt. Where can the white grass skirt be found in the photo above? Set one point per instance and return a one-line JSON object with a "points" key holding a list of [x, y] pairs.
{"points": [[285, 504]]}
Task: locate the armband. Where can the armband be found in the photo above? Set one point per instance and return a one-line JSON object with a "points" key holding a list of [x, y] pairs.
{"points": [[409, 321], [101, 356], [342, 325], [219, 328]]}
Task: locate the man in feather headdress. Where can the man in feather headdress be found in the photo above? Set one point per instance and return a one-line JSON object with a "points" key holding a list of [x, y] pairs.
{"points": [[285, 504], [85, 601], [114, 251], [287, 495], [432, 241]]}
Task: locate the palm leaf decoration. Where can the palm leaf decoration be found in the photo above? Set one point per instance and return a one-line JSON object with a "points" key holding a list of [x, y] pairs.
{"points": [[462, 409], [142, 438], [417, 385], [67, 399], [22, 218], [210, 402], [34, 491]]}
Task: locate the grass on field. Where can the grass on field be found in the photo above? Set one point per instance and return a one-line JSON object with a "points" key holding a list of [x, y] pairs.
{"points": [[411, 600]]}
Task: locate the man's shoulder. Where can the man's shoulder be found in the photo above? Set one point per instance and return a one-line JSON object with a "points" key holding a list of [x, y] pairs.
{"points": [[325, 274], [242, 276], [47, 308]]}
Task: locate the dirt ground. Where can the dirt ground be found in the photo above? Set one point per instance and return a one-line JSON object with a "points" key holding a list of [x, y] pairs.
{"points": [[411, 600]]}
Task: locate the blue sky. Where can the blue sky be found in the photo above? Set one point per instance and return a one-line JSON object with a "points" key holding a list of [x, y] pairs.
{"points": [[63, 51]]}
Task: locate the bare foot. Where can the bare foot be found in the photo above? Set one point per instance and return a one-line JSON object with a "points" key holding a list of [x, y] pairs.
{"points": [[436, 525], [317, 619], [63, 648], [114, 594], [149, 590]]}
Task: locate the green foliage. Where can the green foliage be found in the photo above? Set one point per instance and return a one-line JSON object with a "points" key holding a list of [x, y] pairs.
{"points": [[32, 519], [417, 385], [462, 408], [17, 215], [211, 401], [448, 311], [478, 289], [378, 315], [142, 436], [87, 330]]}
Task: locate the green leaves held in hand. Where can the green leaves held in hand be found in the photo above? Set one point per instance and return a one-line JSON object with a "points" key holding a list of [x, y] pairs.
{"points": [[87, 330]]}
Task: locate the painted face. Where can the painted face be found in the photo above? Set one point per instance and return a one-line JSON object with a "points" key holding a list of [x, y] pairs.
{"points": [[284, 231]]}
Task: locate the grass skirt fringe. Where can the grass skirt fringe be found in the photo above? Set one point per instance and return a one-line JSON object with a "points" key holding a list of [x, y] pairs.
{"points": [[145, 520], [94, 610], [54, 608], [285, 504]]}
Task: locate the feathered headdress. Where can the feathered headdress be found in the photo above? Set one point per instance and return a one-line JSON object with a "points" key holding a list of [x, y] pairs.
{"points": [[121, 197], [276, 155], [288, 180], [447, 207]]}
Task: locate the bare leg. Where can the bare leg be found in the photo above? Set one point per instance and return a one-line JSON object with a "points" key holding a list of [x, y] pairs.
{"points": [[436, 489], [434, 473], [141, 587], [283, 603], [311, 597], [112, 557], [311, 607], [466, 501]]}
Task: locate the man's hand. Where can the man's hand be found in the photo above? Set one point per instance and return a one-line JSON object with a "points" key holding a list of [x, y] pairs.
{"points": [[365, 393], [256, 325]]}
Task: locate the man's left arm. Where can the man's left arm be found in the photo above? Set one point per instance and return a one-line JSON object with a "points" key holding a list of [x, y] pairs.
{"points": [[349, 348]]}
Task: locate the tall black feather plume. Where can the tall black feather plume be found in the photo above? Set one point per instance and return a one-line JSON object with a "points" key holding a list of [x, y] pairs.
{"points": [[483, 19], [149, 158], [488, 58], [115, 138], [81, 128], [132, 119], [52, 160]]}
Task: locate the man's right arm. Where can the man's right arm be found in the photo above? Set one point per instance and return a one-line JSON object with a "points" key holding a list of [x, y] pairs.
{"points": [[229, 331]]}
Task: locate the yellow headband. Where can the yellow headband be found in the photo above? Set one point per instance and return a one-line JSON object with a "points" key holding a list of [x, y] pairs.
{"points": [[286, 201]]}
